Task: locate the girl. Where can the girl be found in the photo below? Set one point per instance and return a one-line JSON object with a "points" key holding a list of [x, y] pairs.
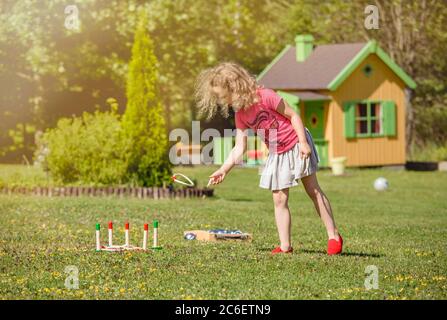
{"points": [[292, 153]]}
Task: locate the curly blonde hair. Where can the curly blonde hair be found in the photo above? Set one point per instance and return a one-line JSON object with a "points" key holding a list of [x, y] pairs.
{"points": [[234, 80]]}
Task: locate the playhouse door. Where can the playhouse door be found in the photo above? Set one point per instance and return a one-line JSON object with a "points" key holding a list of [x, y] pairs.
{"points": [[314, 121]]}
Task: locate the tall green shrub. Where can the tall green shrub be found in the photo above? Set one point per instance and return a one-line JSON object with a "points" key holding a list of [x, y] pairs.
{"points": [[143, 121]]}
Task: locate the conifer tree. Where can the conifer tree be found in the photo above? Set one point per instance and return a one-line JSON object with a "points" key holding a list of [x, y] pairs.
{"points": [[143, 121]]}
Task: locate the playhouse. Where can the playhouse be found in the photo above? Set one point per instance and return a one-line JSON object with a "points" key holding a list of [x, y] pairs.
{"points": [[352, 98]]}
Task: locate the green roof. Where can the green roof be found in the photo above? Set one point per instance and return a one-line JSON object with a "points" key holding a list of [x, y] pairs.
{"points": [[327, 67], [371, 47]]}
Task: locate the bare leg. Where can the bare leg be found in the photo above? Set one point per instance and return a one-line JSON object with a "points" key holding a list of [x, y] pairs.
{"points": [[321, 203], [282, 216]]}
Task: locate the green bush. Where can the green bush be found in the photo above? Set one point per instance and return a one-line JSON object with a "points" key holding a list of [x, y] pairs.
{"points": [[13, 175], [428, 152], [143, 121], [431, 124], [89, 150]]}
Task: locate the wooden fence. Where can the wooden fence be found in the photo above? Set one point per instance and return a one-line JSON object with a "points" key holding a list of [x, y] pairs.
{"points": [[142, 193]]}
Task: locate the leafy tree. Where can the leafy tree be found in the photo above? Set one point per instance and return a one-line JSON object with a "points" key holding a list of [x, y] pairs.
{"points": [[48, 71], [143, 120]]}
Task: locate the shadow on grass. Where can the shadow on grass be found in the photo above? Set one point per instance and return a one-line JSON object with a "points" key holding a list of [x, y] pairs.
{"points": [[322, 252], [353, 254], [240, 200], [215, 197]]}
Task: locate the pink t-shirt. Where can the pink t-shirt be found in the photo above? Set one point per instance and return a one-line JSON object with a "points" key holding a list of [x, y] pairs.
{"points": [[262, 117]]}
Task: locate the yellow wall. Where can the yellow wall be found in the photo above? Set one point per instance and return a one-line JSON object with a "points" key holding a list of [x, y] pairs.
{"points": [[382, 84]]}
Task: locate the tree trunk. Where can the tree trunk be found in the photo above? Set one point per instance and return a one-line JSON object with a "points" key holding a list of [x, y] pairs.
{"points": [[409, 123]]}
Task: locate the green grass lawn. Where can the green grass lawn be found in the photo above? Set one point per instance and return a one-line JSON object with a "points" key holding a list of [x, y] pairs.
{"points": [[401, 231]]}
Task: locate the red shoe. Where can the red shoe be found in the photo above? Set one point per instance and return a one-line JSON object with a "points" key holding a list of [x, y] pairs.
{"points": [[334, 246], [279, 250]]}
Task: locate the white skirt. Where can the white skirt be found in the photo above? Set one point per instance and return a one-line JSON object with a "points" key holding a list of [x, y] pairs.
{"points": [[283, 170]]}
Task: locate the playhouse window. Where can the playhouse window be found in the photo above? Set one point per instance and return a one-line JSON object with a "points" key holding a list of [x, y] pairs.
{"points": [[367, 70], [368, 118], [376, 118]]}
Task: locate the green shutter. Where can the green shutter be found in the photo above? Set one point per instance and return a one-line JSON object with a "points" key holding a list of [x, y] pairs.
{"points": [[349, 115], [389, 118], [292, 100]]}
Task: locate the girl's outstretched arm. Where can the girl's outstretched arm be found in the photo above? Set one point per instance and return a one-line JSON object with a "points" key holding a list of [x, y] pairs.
{"points": [[234, 157]]}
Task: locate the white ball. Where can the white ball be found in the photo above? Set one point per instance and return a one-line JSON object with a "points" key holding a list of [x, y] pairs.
{"points": [[381, 184]]}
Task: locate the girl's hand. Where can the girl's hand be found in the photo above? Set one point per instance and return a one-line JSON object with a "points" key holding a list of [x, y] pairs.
{"points": [[304, 150], [217, 177]]}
